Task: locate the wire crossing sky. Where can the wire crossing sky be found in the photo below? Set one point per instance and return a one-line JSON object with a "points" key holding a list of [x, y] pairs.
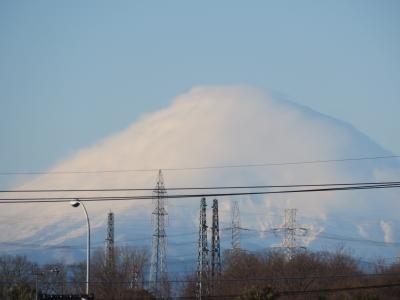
{"points": [[206, 167], [330, 188]]}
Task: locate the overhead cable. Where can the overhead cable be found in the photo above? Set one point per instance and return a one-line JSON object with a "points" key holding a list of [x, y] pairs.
{"points": [[179, 196], [250, 165]]}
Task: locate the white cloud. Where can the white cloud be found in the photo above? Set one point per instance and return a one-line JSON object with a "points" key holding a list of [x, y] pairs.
{"points": [[388, 231], [363, 230]]}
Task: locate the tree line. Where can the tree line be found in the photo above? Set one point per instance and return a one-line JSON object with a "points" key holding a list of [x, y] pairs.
{"points": [[245, 275], [122, 278], [305, 275]]}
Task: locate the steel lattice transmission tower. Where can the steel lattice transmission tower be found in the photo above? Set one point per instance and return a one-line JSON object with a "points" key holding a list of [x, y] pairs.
{"points": [[109, 251], [235, 226], [202, 260], [158, 276], [290, 230], [215, 246]]}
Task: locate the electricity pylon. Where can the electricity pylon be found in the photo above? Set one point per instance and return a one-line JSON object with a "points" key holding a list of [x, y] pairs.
{"points": [[158, 276], [109, 255], [290, 230], [202, 260], [215, 247], [235, 226]]}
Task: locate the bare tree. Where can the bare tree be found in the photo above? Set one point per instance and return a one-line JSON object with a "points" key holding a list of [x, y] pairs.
{"points": [[17, 277], [123, 278], [271, 274]]}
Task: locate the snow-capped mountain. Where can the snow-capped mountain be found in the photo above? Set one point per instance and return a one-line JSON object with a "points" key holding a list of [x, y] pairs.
{"points": [[216, 126]]}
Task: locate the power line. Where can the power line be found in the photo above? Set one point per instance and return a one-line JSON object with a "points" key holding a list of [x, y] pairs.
{"points": [[179, 196], [198, 188], [267, 164], [323, 235], [330, 236], [120, 242], [356, 240]]}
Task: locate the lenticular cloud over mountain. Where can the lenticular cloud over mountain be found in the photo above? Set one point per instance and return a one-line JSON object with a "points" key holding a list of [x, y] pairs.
{"points": [[217, 126]]}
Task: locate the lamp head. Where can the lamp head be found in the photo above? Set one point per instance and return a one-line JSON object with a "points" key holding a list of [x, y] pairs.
{"points": [[74, 203]]}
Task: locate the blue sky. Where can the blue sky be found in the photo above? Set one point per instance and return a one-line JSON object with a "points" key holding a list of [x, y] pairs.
{"points": [[72, 72]]}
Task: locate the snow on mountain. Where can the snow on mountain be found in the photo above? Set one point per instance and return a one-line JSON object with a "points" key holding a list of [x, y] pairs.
{"points": [[210, 126]]}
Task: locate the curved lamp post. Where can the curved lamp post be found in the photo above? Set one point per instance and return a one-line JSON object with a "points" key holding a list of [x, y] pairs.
{"points": [[76, 203]]}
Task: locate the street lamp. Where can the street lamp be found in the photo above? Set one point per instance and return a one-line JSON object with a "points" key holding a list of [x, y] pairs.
{"points": [[76, 203]]}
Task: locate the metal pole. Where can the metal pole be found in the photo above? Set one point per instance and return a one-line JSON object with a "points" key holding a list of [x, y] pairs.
{"points": [[37, 274], [36, 286], [87, 250]]}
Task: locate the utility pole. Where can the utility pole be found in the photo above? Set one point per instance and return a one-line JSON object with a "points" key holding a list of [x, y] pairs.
{"points": [[109, 251], [235, 226], [215, 247], [290, 230], [133, 284], [38, 273], [158, 274], [202, 260]]}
